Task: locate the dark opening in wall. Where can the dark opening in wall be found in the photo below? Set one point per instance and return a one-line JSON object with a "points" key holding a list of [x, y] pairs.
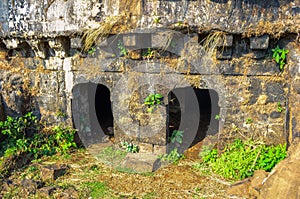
{"points": [[103, 109], [92, 112], [205, 124]]}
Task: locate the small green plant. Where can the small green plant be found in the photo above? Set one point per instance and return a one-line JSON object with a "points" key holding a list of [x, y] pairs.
{"points": [[152, 100], [92, 50], [279, 107], [279, 55], [122, 48], [176, 136], [249, 121], [129, 147], [149, 54], [240, 159], [217, 117], [173, 157]]}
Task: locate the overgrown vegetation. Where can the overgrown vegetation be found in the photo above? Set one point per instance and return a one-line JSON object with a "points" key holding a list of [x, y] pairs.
{"points": [[240, 159], [279, 55], [26, 135]]}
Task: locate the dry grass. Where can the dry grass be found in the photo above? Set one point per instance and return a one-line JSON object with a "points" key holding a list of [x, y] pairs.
{"points": [[213, 40], [91, 36]]}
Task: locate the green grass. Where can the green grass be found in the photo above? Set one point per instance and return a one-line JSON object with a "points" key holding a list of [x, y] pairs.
{"points": [[97, 189], [111, 156], [240, 159]]}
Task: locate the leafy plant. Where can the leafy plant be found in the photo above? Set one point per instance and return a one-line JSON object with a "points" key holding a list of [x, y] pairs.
{"points": [[172, 157], [240, 159], [152, 100], [279, 107], [279, 55], [217, 117], [130, 147], [25, 135], [122, 48], [176, 136]]}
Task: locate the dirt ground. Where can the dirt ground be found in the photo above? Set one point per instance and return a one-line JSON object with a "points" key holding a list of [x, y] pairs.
{"points": [[173, 181]]}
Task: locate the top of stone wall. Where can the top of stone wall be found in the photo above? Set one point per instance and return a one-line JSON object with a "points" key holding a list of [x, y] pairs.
{"points": [[51, 18]]}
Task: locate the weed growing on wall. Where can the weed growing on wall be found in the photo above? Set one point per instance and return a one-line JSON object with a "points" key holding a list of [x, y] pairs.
{"points": [[152, 100], [240, 159], [279, 55]]}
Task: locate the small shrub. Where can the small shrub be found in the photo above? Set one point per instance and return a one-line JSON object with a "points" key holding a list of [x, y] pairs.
{"points": [[25, 135], [240, 159]]}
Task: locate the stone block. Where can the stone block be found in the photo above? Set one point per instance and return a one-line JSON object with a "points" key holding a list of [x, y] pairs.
{"points": [[239, 188], [141, 163], [160, 39], [259, 43], [275, 92], [52, 172]]}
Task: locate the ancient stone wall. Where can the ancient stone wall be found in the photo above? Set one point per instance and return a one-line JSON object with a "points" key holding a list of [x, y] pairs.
{"points": [[42, 58]]}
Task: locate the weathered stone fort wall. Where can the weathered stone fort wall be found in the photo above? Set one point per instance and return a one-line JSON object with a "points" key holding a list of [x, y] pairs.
{"points": [[43, 59]]}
